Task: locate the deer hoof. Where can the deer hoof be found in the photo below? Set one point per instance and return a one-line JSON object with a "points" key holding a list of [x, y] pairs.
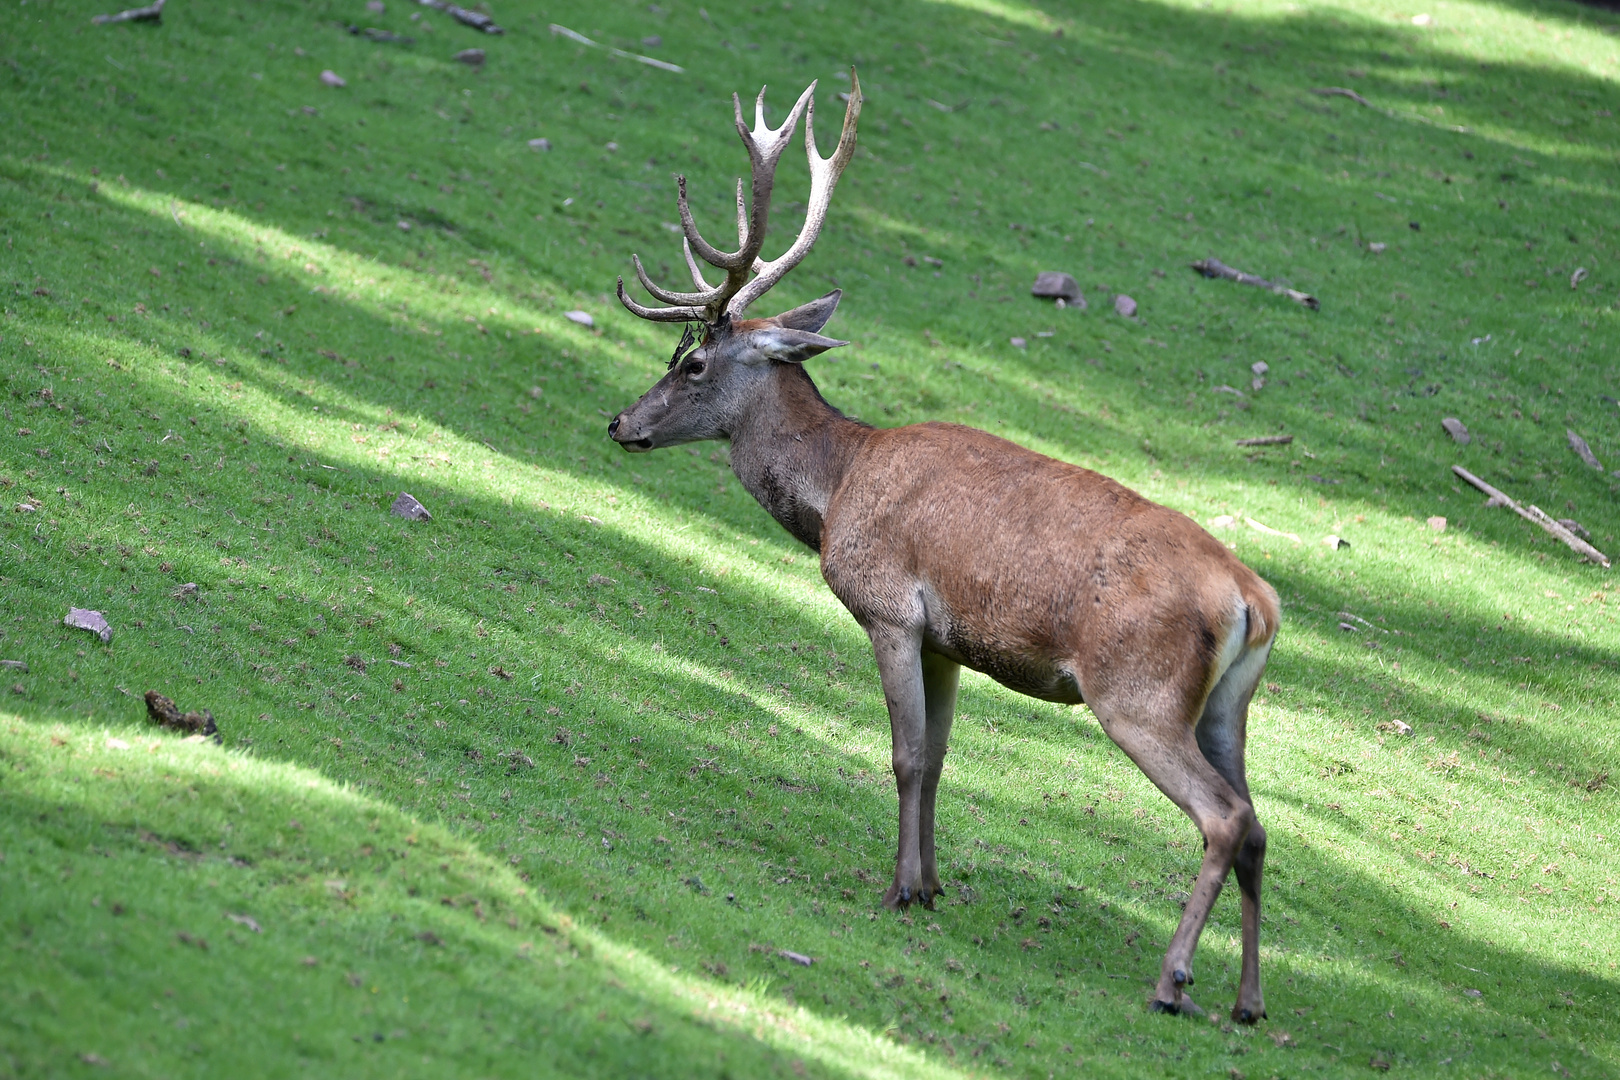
{"points": [[1182, 978], [1184, 1007], [1243, 1015], [897, 898]]}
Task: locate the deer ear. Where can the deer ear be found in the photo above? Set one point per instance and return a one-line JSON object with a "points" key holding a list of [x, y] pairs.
{"points": [[789, 346], [812, 316]]}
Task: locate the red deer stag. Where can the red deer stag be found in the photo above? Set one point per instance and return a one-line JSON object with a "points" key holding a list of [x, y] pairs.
{"points": [[951, 546]]}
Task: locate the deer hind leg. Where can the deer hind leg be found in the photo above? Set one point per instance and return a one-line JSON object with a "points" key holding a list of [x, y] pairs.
{"points": [[939, 677], [1221, 734], [899, 660], [1164, 748]]}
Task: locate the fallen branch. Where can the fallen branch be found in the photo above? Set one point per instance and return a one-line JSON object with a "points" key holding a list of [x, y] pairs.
{"points": [[574, 35], [1267, 440], [1269, 531], [371, 33], [1537, 515], [1342, 91], [152, 12], [1214, 268], [1578, 444], [475, 19]]}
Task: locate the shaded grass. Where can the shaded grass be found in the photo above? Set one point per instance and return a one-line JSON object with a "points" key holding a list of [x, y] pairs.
{"points": [[689, 755]]}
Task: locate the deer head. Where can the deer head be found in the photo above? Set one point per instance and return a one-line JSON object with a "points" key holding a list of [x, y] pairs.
{"points": [[708, 386]]}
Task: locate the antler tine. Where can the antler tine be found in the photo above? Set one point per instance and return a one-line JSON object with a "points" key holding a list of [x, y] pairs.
{"points": [[691, 264], [824, 174], [709, 294], [668, 314], [709, 253]]}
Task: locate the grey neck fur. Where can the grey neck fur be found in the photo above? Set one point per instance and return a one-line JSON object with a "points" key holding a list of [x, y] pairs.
{"points": [[790, 448]]}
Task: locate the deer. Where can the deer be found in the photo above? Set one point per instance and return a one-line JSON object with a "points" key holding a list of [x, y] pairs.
{"points": [[953, 548]]}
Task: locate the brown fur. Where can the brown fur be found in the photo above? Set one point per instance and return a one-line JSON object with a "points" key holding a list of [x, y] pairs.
{"points": [[951, 546]]}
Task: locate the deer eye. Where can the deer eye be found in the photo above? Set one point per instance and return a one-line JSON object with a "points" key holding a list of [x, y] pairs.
{"points": [[695, 367]]}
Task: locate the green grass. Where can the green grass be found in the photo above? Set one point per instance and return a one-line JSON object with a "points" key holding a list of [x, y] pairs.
{"points": [[638, 749]]}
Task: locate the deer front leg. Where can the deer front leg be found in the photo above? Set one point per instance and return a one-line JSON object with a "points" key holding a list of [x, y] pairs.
{"points": [[899, 660], [939, 677]]}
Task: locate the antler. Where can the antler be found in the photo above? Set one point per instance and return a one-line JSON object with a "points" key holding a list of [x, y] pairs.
{"points": [[733, 295]]}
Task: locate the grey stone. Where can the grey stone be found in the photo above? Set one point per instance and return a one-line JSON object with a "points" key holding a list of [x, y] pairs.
{"points": [[93, 621], [1458, 432], [471, 57], [408, 508], [542, 145], [583, 318], [1125, 306], [333, 79], [1056, 285]]}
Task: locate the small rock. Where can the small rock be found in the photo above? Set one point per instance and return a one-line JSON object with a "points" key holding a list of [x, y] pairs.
{"points": [[404, 226], [333, 79], [471, 57], [1437, 523], [1225, 521], [1455, 428], [583, 318], [1056, 285], [1018, 343], [376, 7], [185, 592], [15, 665], [1473, 993], [1377, 247], [1259, 367], [117, 744], [1399, 727], [1125, 306], [93, 621], [1334, 543], [542, 145], [797, 958], [408, 508], [651, 41]]}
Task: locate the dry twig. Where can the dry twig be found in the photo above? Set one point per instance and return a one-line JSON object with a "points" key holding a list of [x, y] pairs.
{"points": [[475, 19], [1537, 515], [1342, 91], [574, 35], [152, 12], [1214, 268], [1579, 445], [1267, 440]]}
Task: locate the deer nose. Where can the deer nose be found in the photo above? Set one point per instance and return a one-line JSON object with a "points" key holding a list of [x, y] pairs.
{"points": [[613, 427]]}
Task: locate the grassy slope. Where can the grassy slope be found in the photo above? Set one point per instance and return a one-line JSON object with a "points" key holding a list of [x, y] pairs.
{"points": [[222, 355]]}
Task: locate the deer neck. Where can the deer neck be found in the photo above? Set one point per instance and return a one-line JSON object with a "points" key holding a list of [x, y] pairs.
{"points": [[790, 449]]}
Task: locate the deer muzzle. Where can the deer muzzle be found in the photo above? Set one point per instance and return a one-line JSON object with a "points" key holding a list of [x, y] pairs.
{"points": [[619, 433]]}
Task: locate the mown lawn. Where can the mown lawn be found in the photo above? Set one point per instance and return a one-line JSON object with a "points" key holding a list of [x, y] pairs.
{"points": [[549, 783]]}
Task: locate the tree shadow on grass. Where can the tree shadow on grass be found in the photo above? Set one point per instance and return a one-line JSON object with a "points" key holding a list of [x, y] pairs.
{"points": [[605, 739]]}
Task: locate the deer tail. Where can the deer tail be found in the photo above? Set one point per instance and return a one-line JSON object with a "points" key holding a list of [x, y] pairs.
{"points": [[1264, 613]]}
